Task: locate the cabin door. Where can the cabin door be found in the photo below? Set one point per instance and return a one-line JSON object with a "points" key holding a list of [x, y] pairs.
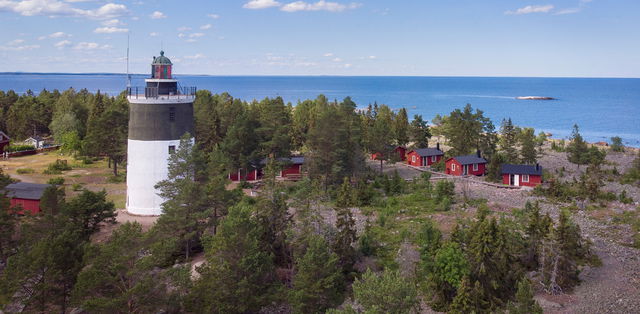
{"points": [[516, 179], [465, 170]]}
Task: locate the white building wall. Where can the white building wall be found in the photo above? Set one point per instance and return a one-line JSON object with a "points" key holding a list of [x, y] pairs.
{"points": [[147, 164]]}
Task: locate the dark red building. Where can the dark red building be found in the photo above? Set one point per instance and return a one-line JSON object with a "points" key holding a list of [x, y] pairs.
{"points": [[401, 152], [423, 157], [466, 165], [521, 175], [25, 197], [4, 141], [291, 169]]}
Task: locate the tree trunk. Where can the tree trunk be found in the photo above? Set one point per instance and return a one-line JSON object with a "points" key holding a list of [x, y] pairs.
{"points": [[109, 160], [380, 166], [115, 167]]}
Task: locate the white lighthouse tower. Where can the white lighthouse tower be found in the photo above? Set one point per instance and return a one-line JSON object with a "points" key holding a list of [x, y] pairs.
{"points": [[159, 115]]}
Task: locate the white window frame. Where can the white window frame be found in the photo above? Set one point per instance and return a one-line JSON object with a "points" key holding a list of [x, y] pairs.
{"points": [[453, 167], [413, 158], [524, 178], [475, 167]]}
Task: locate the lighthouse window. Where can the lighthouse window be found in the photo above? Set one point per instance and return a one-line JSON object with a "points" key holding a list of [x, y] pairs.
{"points": [[172, 113], [172, 149]]}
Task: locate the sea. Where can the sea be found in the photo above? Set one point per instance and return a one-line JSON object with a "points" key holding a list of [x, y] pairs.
{"points": [[601, 107]]}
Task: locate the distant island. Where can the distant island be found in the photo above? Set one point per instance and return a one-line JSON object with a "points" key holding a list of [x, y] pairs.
{"points": [[535, 98]]}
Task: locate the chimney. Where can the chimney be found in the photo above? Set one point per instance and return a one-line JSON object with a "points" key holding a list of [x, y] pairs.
{"points": [[478, 153], [438, 145], [537, 167]]}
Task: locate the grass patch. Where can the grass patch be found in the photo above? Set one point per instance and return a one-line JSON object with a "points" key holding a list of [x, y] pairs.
{"points": [[631, 218], [24, 171]]}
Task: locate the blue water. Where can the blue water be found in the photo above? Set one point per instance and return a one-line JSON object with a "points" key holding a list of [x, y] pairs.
{"points": [[602, 107]]}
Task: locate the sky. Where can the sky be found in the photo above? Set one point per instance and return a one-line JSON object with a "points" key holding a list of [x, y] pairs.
{"points": [[544, 38]]}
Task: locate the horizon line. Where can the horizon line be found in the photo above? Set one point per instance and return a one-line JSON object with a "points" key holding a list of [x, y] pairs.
{"points": [[316, 75]]}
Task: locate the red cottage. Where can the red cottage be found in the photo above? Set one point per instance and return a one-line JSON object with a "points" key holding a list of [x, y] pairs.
{"points": [[400, 150], [4, 141], [25, 196], [521, 175], [423, 157], [292, 168], [466, 165], [252, 174]]}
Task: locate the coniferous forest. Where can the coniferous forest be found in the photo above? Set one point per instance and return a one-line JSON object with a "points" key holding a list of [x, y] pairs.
{"points": [[337, 241]]}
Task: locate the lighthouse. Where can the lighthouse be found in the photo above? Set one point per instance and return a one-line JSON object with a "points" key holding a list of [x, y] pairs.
{"points": [[160, 113]]}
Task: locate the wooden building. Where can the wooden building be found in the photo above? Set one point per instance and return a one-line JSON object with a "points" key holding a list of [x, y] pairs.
{"points": [[466, 165], [423, 157], [25, 197], [521, 175]]}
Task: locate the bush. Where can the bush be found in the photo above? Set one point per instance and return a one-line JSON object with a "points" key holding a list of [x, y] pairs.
{"points": [[623, 198], [56, 181], [439, 166], [616, 144], [77, 187], [444, 189], [24, 170], [18, 148]]}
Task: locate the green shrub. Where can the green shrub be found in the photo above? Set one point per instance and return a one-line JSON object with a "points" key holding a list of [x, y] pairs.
{"points": [[24, 170], [77, 187], [623, 198], [18, 148], [439, 166], [56, 181], [444, 189]]}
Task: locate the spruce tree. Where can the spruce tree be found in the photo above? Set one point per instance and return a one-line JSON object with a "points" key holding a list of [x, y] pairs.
{"points": [[528, 146], [387, 292], [401, 127], [524, 302], [345, 237], [318, 282], [577, 148], [509, 141]]}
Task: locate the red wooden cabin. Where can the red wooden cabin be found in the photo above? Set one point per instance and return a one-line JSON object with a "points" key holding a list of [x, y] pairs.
{"points": [[422, 157], [291, 170], [466, 165], [400, 150], [521, 175], [25, 197]]}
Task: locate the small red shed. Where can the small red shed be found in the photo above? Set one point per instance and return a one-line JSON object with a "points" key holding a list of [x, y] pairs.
{"points": [[4, 141], [423, 157], [25, 196], [466, 165], [521, 175], [292, 168], [400, 150], [251, 174]]}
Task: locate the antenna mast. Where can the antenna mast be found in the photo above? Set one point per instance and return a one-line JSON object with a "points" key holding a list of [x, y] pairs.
{"points": [[128, 75]]}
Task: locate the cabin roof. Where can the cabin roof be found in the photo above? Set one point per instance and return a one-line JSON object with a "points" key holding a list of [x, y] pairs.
{"points": [[469, 159], [427, 152], [521, 169], [25, 190]]}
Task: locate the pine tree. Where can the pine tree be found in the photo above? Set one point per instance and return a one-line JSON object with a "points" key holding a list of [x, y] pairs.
{"points": [[345, 237], [419, 131], [184, 210], [387, 292], [509, 141], [239, 276], [318, 282], [345, 195], [467, 131], [577, 148], [524, 302], [8, 222]]}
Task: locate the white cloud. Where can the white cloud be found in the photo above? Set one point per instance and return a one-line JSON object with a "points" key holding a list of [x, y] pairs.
{"points": [[16, 45], [195, 57], [568, 11], [112, 23], [532, 9], [59, 35], [196, 35], [110, 30], [55, 8], [15, 42], [181, 35], [184, 28], [372, 57], [213, 16], [261, 4], [157, 15], [336, 60], [328, 54], [191, 40], [206, 26], [319, 6], [347, 65], [90, 46], [62, 44], [153, 34]]}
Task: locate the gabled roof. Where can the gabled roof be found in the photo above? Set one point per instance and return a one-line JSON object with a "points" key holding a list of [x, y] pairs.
{"points": [[36, 138], [427, 152], [469, 159], [295, 160], [24, 190], [522, 169]]}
